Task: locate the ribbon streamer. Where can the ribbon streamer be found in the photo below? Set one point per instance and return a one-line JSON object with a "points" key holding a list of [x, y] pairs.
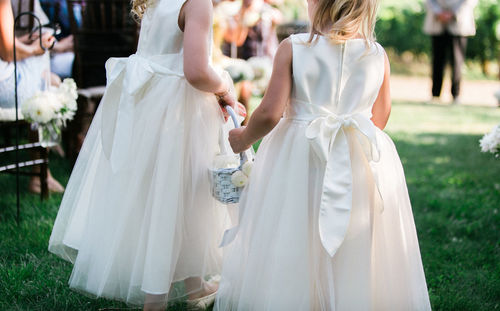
{"points": [[328, 139]]}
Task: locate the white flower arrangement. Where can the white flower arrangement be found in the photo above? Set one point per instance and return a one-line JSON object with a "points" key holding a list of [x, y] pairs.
{"points": [[51, 109], [239, 70], [262, 67], [491, 141], [55, 105]]}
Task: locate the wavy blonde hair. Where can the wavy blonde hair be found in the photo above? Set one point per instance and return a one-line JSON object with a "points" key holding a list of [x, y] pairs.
{"points": [[340, 20], [139, 7]]}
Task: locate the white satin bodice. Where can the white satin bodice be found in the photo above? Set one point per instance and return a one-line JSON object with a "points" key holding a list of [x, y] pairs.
{"points": [[334, 89], [334, 78], [160, 33]]}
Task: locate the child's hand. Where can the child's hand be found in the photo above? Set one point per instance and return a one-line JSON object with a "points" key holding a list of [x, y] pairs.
{"points": [[238, 141], [240, 109]]}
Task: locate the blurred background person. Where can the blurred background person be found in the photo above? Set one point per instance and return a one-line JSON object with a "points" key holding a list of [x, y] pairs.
{"points": [[62, 55], [248, 31], [449, 23], [32, 70]]}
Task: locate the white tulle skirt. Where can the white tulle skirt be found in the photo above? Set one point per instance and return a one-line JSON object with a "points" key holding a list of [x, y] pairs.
{"points": [[277, 261], [154, 223]]}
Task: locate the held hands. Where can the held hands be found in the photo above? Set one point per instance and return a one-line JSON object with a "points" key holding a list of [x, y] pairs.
{"points": [[238, 141], [445, 17], [48, 41], [228, 97], [229, 100]]}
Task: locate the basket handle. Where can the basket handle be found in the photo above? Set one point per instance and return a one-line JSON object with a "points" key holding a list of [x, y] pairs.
{"points": [[232, 114]]}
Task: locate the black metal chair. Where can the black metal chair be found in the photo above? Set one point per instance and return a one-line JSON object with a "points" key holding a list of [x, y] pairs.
{"points": [[8, 165]]}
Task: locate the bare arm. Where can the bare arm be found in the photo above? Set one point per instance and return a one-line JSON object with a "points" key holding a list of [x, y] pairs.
{"points": [[382, 106], [23, 50], [196, 19], [271, 109]]}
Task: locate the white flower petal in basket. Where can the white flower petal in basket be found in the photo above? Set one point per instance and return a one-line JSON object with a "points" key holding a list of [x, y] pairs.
{"points": [[247, 168], [239, 179], [226, 161]]}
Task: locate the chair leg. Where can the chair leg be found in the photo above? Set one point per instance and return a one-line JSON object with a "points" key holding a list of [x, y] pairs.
{"points": [[44, 193]]}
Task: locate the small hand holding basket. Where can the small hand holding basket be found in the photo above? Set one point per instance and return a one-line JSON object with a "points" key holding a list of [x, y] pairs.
{"points": [[227, 183]]}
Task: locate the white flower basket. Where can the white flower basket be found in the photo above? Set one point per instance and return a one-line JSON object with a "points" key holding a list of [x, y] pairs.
{"points": [[227, 184]]}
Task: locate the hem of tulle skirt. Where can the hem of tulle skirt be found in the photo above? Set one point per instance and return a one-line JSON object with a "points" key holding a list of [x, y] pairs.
{"points": [[91, 294], [154, 293]]}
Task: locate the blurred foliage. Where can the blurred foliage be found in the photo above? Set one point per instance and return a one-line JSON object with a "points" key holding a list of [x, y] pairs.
{"points": [[486, 44], [400, 23], [400, 27], [292, 9]]}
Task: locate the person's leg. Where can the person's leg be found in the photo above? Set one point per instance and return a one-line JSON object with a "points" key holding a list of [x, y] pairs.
{"points": [[155, 303], [438, 63], [197, 288], [35, 182], [459, 46]]}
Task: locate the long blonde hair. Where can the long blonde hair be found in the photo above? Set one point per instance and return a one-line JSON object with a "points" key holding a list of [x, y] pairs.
{"points": [[340, 20], [139, 7]]}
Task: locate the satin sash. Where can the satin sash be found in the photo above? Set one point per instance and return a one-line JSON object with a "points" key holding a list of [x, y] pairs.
{"points": [[327, 136], [329, 141], [127, 78]]}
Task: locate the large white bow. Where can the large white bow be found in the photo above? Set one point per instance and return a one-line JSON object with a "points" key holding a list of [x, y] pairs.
{"points": [[126, 77], [328, 139]]}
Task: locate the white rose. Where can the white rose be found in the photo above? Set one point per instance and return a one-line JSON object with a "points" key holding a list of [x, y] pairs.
{"points": [[69, 86], [67, 101], [247, 168], [239, 179], [54, 100], [41, 108]]}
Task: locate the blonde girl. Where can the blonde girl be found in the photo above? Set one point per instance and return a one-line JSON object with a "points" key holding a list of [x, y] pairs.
{"points": [[326, 220]]}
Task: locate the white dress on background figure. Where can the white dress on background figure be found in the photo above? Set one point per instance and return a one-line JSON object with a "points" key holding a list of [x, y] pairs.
{"points": [[326, 218], [137, 214]]}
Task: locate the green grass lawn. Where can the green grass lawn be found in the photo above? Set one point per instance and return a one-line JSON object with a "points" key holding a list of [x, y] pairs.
{"points": [[455, 191]]}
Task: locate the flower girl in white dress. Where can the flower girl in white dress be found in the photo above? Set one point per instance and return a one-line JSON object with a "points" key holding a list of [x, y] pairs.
{"points": [[326, 220], [138, 215]]}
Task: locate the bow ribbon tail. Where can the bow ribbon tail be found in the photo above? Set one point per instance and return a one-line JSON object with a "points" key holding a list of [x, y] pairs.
{"points": [[109, 105], [230, 234], [118, 115], [336, 197], [122, 133]]}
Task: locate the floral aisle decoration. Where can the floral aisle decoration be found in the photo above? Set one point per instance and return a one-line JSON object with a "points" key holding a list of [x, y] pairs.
{"points": [[491, 141], [48, 111]]}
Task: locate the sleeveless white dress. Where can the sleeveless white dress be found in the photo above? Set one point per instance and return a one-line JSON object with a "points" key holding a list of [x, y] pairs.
{"points": [[137, 214], [326, 220]]}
